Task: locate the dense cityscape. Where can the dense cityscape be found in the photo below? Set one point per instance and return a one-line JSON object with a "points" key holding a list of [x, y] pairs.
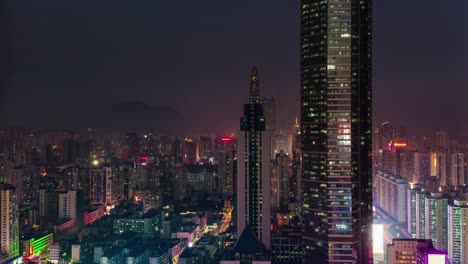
{"points": [[330, 185]]}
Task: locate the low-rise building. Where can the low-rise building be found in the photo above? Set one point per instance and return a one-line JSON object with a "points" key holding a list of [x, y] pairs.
{"points": [[287, 246], [147, 224], [54, 252], [417, 251], [36, 243]]}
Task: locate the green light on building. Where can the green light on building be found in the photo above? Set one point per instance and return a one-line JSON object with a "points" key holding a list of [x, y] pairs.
{"points": [[40, 244]]}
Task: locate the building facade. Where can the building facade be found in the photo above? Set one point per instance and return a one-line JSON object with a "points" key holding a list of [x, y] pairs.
{"points": [[9, 223], [392, 195], [409, 251], [457, 167], [226, 172], [457, 233], [436, 220], [67, 204], [421, 167], [439, 167], [254, 168], [421, 214], [411, 207], [336, 123]]}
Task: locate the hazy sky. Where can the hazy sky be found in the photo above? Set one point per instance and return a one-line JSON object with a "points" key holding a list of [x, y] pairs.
{"points": [[195, 56]]}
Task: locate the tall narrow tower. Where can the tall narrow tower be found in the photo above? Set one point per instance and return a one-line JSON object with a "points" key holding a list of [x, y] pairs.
{"points": [[254, 168], [336, 79], [9, 223]]}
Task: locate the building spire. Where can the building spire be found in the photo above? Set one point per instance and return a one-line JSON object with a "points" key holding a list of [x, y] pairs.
{"points": [[254, 87]]}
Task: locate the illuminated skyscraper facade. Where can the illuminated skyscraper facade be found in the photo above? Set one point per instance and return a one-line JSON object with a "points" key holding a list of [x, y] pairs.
{"points": [[9, 223], [457, 235], [436, 220], [336, 123], [254, 168]]}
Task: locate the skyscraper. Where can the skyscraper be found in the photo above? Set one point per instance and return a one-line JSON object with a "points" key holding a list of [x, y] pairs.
{"points": [[189, 151], [457, 235], [336, 41], [442, 140], [411, 207], [383, 134], [226, 172], [457, 167], [269, 112], [407, 165], [9, 223], [421, 167], [296, 162], [205, 147], [421, 213], [436, 220], [254, 168], [439, 167]]}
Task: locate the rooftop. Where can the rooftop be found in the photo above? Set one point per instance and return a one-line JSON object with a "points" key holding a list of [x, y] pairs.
{"points": [[248, 242], [6, 186]]}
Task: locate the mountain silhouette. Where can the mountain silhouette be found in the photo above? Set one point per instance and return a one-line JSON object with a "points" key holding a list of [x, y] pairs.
{"points": [[128, 116], [138, 116]]}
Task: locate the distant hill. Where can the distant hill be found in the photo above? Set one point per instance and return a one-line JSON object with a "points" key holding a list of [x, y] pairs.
{"points": [[137, 116], [131, 116]]}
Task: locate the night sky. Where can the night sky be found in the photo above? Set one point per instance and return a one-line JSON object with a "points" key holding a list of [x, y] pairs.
{"points": [[79, 57]]}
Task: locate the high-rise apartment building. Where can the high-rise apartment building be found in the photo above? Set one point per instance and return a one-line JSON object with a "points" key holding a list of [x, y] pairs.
{"points": [[48, 206], [457, 233], [436, 220], [390, 161], [205, 149], [411, 207], [97, 185], [67, 204], [457, 167], [254, 168], [438, 167], [421, 214], [189, 151], [336, 101], [383, 134], [407, 165], [421, 167], [393, 158], [226, 172], [9, 223], [442, 140], [392, 195]]}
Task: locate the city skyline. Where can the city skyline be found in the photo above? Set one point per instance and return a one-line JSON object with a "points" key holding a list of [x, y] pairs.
{"points": [[94, 65], [123, 138]]}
